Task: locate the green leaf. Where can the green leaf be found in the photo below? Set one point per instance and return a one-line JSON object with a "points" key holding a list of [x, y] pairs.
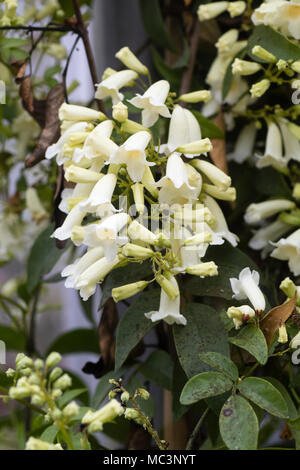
{"points": [[132, 273], [178, 381], [292, 410], [207, 384], [252, 339], [295, 429], [203, 332], [13, 340], [265, 395], [8, 43], [154, 24], [133, 326], [158, 368], [42, 258], [274, 42], [208, 128], [69, 396], [50, 433], [221, 363], [73, 341], [230, 262], [238, 424], [172, 75], [103, 386]]}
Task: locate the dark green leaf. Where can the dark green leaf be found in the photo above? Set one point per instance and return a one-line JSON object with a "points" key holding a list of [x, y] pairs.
{"points": [[103, 386], [292, 410], [154, 24], [274, 42], [69, 396], [50, 433], [208, 128], [265, 395], [12, 339], [80, 340], [207, 384], [42, 258], [204, 332], [178, 381], [238, 424], [158, 368], [230, 262], [251, 338], [133, 326], [221, 363], [172, 75]]}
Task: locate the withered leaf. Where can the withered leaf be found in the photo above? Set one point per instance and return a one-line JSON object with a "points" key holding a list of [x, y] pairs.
{"points": [[218, 153], [277, 315], [51, 129], [36, 108]]}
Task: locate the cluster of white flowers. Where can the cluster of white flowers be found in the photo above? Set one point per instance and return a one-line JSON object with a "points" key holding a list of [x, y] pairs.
{"points": [[106, 160]]}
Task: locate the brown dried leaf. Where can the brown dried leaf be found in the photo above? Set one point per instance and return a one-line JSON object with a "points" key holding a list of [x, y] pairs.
{"points": [[218, 153], [277, 315], [106, 333], [51, 130]]}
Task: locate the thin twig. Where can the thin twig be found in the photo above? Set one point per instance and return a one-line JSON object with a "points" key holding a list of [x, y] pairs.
{"points": [[29, 28], [194, 436], [65, 71]]}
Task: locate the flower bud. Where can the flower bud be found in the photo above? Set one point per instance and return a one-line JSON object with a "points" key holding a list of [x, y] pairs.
{"points": [[263, 54], [80, 175], [120, 112], [37, 400], [63, 382], [296, 192], [144, 394], [38, 444], [211, 10], [53, 359], [170, 288], [259, 88], [197, 147], [240, 315], [71, 410], [244, 67], [288, 287], [282, 334], [18, 393], [213, 173], [198, 239], [23, 361], [10, 373], [136, 251], [227, 195], [55, 373], [106, 414], [196, 96], [132, 127], [9, 288], [128, 290], [148, 181], [38, 364], [138, 196], [126, 56], [236, 8], [203, 269], [125, 397], [72, 112], [296, 66], [131, 413]]}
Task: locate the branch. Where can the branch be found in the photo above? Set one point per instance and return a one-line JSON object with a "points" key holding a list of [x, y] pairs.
{"points": [[188, 74], [194, 436], [82, 30], [30, 28]]}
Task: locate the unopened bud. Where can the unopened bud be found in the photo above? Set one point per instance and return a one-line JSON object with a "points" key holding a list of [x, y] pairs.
{"points": [[53, 359], [196, 96], [263, 54], [120, 112]]}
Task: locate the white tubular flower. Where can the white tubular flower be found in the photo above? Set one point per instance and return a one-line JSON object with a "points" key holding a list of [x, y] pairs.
{"points": [[72, 271], [246, 286], [57, 149], [236, 8], [244, 67], [240, 315], [288, 249], [86, 282], [211, 10], [72, 112], [169, 310], [227, 41], [273, 151], [76, 174], [38, 444], [127, 57], [213, 173], [228, 194], [99, 201], [106, 234], [152, 102], [290, 142], [133, 154], [244, 144], [184, 128], [295, 343], [138, 232], [98, 144], [75, 217], [34, 204], [175, 187], [270, 233], [110, 86], [106, 414], [255, 213], [280, 14], [72, 196], [219, 225]]}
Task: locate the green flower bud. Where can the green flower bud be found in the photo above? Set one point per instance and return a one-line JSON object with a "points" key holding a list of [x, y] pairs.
{"points": [[63, 382], [263, 54], [125, 397], [53, 359], [71, 410], [55, 373], [144, 394]]}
